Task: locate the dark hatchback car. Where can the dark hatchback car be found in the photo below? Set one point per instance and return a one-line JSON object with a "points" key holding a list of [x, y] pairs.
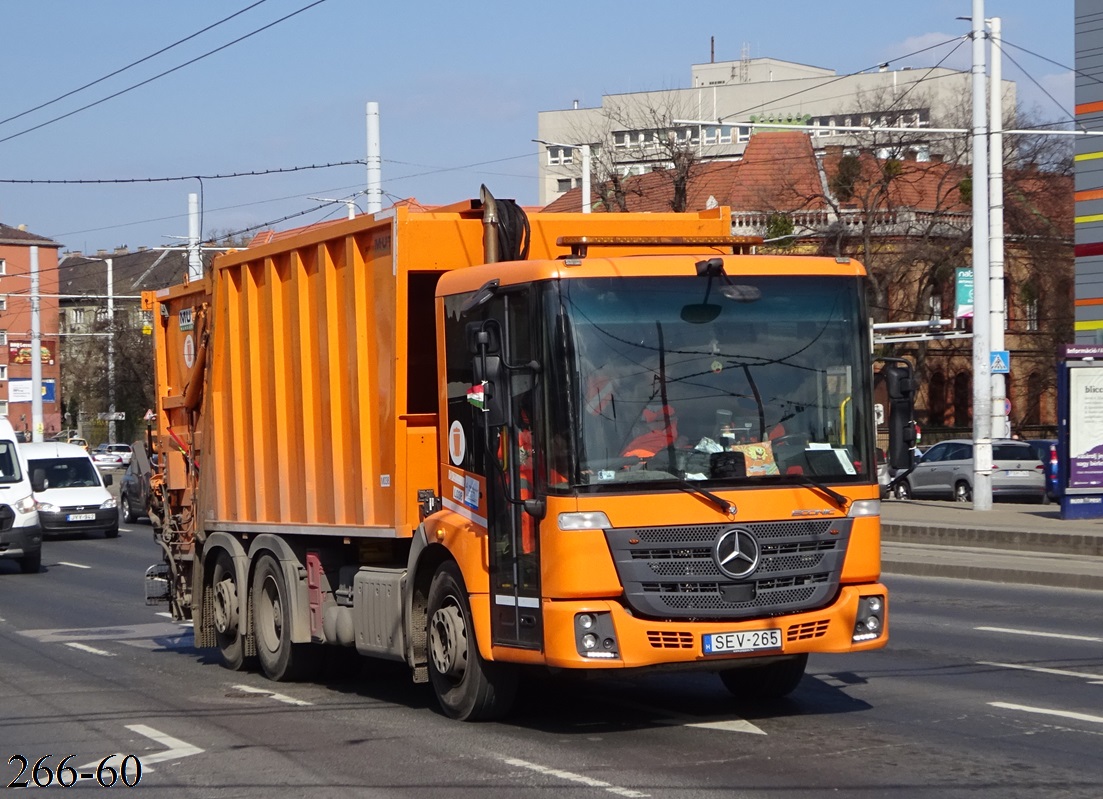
{"points": [[134, 486], [1047, 453]]}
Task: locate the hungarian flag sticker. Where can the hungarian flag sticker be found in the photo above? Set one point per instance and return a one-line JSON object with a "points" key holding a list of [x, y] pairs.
{"points": [[476, 395]]}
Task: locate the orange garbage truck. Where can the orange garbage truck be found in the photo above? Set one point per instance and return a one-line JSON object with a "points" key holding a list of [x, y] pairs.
{"points": [[479, 441]]}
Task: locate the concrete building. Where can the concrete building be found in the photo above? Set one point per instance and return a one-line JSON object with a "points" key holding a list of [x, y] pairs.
{"points": [[636, 133]]}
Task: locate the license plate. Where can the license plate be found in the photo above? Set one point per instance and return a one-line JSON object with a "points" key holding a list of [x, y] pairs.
{"points": [[80, 517], [1018, 473], [745, 641]]}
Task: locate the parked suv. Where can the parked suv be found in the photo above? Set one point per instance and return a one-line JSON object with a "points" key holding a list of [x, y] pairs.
{"points": [[20, 531], [134, 486], [946, 472], [74, 498]]}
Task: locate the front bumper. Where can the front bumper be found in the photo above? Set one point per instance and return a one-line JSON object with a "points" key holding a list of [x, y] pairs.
{"points": [[62, 521], [646, 643], [16, 542]]}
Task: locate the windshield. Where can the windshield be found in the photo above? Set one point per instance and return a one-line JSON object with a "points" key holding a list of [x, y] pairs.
{"points": [[749, 380], [67, 472]]}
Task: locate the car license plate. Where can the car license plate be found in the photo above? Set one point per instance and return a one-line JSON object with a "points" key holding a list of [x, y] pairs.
{"points": [[744, 641], [1018, 473], [80, 517]]}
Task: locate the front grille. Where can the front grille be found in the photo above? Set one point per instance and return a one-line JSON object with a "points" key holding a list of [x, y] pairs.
{"points": [[671, 572]]}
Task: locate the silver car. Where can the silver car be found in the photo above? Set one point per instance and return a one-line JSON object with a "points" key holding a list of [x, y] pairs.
{"points": [[946, 471]]}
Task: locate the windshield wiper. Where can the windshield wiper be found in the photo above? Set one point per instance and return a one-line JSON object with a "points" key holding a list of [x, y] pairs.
{"points": [[805, 480], [722, 504]]}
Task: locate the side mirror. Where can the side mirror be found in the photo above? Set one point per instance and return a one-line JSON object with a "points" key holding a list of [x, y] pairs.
{"points": [[38, 480], [107, 479]]}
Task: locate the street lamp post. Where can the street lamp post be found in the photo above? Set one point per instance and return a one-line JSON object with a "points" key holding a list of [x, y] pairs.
{"points": [[585, 148]]}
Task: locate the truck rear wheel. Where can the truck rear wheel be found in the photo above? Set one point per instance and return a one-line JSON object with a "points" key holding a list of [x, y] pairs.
{"points": [[467, 687], [224, 587], [769, 681], [280, 659]]}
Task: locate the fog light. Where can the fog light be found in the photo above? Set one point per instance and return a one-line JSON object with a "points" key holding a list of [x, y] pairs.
{"points": [[875, 604], [608, 643], [586, 621], [589, 641], [873, 624]]}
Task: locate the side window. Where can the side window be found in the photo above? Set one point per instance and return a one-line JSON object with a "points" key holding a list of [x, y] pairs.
{"points": [[935, 454]]}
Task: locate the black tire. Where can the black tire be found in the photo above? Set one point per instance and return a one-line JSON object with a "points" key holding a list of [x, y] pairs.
{"points": [[467, 687], [128, 513], [280, 659], [903, 490], [963, 492], [770, 681], [31, 564], [224, 589]]}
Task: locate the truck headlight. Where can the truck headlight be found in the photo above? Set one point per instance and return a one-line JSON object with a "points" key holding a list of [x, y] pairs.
{"points": [[26, 505], [46, 507]]}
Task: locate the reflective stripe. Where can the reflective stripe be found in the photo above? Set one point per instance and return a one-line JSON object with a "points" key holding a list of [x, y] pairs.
{"points": [[517, 601]]}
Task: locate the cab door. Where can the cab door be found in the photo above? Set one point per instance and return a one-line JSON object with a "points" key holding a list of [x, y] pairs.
{"points": [[499, 351]]}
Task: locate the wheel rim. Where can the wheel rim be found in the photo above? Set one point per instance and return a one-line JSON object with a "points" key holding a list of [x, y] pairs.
{"points": [[962, 493], [448, 642], [270, 615], [225, 605]]}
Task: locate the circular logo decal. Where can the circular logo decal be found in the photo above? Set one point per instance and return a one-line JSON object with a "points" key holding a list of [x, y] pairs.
{"points": [[737, 553], [189, 350], [457, 443]]}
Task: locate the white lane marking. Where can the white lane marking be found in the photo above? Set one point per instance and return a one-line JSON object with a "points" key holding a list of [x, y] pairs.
{"points": [[731, 725], [155, 629], [1039, 634], [1042, 670], [176, 749], [92, 650], [272, 695], [74, 565], [725, 723], [570, 776], [1065, 714]]}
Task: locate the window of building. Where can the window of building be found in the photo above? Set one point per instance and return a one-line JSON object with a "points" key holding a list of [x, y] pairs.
{"points": [[560, 155], [3, 303], [621, 138], [744, 133], [3, 267], [3, 338], [3, 407], [76, 316], [936, 306], [563, 184], [1031, 311], [3, 371]]}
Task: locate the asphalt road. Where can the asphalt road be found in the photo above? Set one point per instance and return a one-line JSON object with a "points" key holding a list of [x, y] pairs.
{"points": [[984, 690]]}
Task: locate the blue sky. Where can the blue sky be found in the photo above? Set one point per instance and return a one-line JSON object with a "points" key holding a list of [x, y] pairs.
{"points": [[459, 87]]}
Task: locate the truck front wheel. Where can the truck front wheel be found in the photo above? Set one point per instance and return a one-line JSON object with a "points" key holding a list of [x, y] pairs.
{"points": [[467, 687], [770, 681], [280, 659], [224, 587]]}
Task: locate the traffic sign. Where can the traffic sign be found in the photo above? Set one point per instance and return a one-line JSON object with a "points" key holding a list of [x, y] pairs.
{"points": [[1000, 362]]}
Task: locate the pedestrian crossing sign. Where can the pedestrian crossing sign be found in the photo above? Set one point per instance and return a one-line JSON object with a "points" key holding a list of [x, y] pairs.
{"points": [[1000, 362]]}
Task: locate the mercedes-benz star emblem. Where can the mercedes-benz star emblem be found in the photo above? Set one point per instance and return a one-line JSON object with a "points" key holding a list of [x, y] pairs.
{"points": [[737, 553]]}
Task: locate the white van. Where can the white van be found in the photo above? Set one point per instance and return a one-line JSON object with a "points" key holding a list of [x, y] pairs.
{"points": [[74, 498], [20, 531]]}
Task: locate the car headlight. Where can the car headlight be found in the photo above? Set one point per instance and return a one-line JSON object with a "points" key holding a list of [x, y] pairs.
{"points": [[109, 504], [26, 505], [46, 507]]}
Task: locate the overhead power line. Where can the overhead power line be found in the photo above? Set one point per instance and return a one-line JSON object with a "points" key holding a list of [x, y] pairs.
{"points": [[162, 74]]}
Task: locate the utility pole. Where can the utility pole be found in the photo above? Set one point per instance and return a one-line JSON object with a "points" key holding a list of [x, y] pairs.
{"points": [[36, 352], [111, 350], [375, 171], [982, 384], [195, 260]]}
